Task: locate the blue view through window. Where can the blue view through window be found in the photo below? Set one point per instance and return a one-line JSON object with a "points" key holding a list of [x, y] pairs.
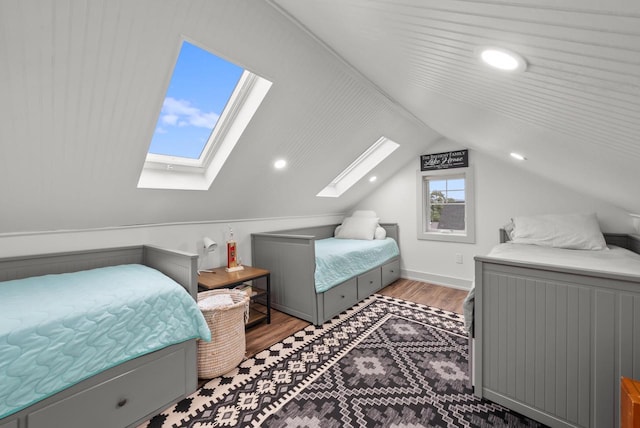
{"points": [[200, 88]]}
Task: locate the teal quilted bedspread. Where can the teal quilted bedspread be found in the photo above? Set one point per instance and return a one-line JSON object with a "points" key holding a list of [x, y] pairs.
{"points": [[338, 260], [57, 330]]}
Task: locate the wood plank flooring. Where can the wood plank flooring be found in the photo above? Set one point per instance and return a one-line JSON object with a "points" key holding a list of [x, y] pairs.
{"points": [[446, 298], [282, 325]]}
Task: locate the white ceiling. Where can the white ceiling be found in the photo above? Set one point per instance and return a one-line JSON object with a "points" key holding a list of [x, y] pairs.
{"points": [[82, 83], [575, 113]]}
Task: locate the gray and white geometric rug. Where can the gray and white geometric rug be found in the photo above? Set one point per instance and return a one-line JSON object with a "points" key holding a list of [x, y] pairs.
{"points": [[384, 363]]}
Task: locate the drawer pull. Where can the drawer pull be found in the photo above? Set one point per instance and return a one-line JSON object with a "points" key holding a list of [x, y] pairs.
{"points": [[342, 296], [122, 403], [391, 270], [370, 282]]}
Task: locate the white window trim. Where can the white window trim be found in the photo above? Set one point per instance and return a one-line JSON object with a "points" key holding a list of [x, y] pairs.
{"points": [[169, 172], [368, 160], [469, 235]]}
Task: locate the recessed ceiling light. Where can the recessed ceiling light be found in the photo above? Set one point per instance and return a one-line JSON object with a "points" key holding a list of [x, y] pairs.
{"points": [[372, 178], [279, 164], [518, 156], [502, 59]]}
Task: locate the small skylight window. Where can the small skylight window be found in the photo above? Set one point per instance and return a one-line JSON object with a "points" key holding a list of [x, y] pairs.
{"points": [[207, 106], [375, 154]]}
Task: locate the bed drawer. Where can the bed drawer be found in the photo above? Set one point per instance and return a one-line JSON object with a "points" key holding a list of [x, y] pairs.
{"points": [[339, 298], [369, 283], [121, 401], [390, 272], [12, 424]]}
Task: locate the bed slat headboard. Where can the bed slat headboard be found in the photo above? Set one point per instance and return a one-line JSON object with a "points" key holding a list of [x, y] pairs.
{"points": [[392, 231], [326, 231], [504, 236], [178, 265], [72, 261]]}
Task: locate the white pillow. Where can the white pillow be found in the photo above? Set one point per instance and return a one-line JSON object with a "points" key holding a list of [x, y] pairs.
{"points": [[357, 228], [509, 229], [573, 231], [364, 213], [380, 233]]}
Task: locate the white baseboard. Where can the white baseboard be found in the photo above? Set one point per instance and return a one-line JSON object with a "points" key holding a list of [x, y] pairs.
{"points": [[447, 281]]}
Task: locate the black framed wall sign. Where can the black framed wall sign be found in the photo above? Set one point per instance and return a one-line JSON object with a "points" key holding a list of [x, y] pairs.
{"points": [[446, 160]]}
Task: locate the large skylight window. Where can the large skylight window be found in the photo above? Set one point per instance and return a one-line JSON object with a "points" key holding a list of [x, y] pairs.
{"points": [[201, 86], [207, 106], [375, 154]]}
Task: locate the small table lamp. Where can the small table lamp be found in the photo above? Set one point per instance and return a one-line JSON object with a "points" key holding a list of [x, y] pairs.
{"points": [[209, 246]]}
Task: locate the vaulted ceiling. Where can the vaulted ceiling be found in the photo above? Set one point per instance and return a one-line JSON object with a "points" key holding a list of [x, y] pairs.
{"points": [[82, 83], [575, 112]]}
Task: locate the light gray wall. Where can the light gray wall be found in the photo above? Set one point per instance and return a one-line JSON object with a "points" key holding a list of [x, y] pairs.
{"points": [[180, 236], [502, 190]]}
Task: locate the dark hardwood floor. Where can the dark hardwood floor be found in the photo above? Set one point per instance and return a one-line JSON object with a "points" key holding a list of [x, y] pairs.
{"points": [[282, 325]]}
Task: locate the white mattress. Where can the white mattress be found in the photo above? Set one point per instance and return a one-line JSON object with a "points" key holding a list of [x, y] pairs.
{"points": [[612, 260]]}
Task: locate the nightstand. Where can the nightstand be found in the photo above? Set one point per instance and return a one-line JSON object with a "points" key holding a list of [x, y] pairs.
{"points": [[260, 295]]}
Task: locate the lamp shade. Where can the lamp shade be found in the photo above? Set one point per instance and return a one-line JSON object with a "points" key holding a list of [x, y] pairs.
{"points": [[209, 244]]}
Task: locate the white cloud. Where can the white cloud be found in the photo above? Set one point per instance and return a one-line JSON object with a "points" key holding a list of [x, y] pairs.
{"points": [[169, 119], [182, 113], [205, 120]]}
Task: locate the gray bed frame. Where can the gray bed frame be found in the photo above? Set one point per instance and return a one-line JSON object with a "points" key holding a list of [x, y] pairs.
{"points": [[130, 393], [290, 256], [553, 342]]}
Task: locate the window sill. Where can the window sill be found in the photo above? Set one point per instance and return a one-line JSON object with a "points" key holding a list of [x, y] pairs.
{"points": [[447, 237]]}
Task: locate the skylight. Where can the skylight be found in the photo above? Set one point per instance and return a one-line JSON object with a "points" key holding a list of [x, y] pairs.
{"points": [[207, 106], [201, 86], [375, 154]]}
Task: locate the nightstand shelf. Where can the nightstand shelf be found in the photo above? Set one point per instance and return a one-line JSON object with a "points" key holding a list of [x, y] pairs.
{"points": [[260, 308], [257, 314]]}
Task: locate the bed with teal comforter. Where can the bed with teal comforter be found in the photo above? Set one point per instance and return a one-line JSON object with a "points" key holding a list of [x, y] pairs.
{"points": [[57, 330], [315, 276], [338, 260]]}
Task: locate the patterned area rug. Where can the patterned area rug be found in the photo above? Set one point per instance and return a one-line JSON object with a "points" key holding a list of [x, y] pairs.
{"points": [[384, 363]]}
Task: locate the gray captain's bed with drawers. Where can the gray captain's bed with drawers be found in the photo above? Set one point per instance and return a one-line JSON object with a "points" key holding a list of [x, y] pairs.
{"points": [[125, 393], [556, 328], [290, 255]]}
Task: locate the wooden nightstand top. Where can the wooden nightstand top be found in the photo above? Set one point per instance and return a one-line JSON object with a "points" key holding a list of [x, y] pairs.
{"points": [[219, 277]]}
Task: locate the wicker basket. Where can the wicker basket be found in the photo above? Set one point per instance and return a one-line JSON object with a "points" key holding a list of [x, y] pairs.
{"points": [[227, 347]]}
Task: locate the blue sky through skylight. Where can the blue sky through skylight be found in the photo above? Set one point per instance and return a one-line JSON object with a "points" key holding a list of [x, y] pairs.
{"points": [[200, 87]]}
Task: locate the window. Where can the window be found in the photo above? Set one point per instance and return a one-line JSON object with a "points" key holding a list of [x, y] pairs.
{"points": [[201, 86], [207, 106], [446, 205], [360, 167]]}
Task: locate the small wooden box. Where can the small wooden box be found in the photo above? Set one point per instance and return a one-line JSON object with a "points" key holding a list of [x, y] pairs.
{"points": [[629, 403]]}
